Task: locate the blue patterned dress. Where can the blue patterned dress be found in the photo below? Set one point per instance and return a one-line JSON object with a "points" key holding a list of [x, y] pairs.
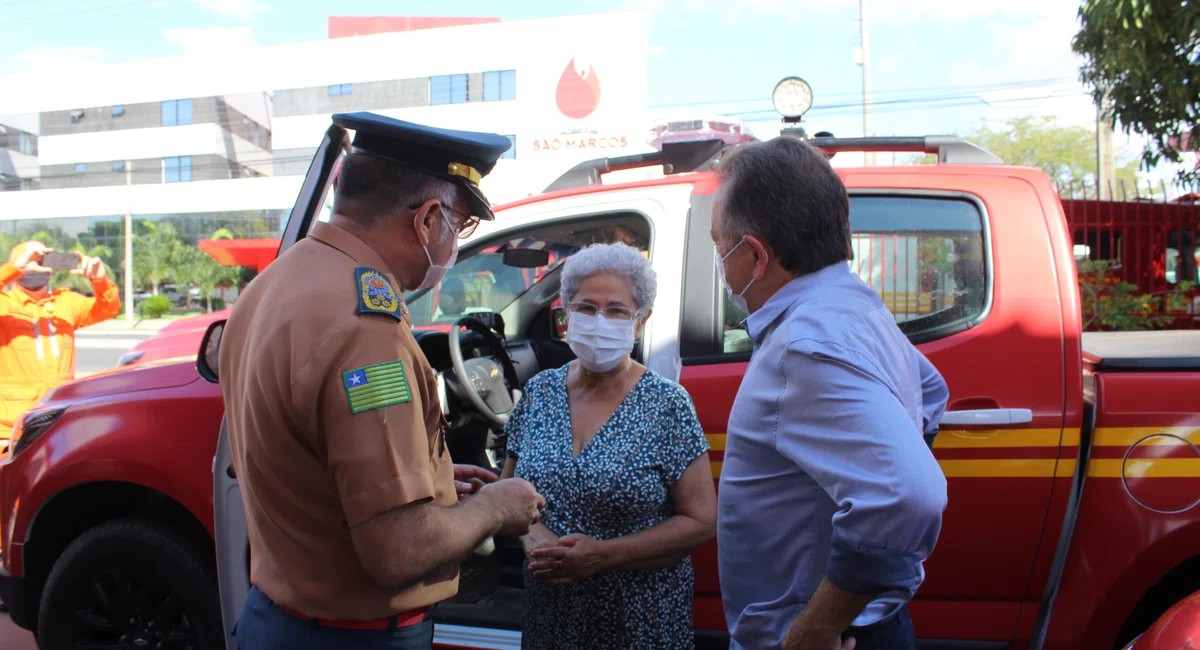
{"points": [[617, 486]]}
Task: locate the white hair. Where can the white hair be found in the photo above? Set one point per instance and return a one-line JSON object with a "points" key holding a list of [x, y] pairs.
{"points": [[621, 259]]}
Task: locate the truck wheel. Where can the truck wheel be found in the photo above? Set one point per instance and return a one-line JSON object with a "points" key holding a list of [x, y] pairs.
{"points": [[131, 584]]}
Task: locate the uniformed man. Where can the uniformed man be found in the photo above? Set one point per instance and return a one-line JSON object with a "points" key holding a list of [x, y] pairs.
{"points": [[335, 426], [37, 327]]}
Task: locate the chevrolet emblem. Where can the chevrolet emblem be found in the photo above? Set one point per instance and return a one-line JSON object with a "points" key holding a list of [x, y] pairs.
{"points": [[495, 373]]}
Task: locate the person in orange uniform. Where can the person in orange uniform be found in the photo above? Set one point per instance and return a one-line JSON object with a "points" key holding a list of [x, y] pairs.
{"points": [[335, 428], [37, 327]]}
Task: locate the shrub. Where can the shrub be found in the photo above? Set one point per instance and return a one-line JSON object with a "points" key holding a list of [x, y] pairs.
{"points": [[155, 307]]}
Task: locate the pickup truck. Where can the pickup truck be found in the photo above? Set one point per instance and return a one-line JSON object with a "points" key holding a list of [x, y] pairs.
{"points": [[1071, 459]]}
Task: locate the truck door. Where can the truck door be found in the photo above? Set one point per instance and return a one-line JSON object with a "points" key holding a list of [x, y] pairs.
{"points": [[929, 254], [229, 517]]}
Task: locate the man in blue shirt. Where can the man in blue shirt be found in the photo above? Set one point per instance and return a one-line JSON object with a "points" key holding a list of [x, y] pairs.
{"points": [[830, 498]]}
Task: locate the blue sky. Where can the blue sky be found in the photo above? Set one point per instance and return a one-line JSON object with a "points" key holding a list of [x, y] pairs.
{"points": [[938, 66]]}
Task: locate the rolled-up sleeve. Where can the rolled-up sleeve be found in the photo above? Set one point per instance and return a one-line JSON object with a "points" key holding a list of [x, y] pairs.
{"points": [[934, 395], [854, 437]]}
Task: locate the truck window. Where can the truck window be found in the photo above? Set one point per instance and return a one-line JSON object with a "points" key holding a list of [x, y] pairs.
{"points": [[481, 282], [923, 256]]}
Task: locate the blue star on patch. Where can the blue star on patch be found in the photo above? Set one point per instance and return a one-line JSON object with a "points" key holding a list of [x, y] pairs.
{"points": [[376, 293]]}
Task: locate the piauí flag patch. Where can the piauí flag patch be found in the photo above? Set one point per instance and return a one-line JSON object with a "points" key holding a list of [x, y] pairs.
{"points": [[377, 386]]}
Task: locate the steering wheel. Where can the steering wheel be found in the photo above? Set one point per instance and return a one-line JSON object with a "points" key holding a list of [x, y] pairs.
{"points": [[487, 382]]}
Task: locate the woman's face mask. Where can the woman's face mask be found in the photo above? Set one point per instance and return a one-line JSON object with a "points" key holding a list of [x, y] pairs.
{"points": [[598, 342]]}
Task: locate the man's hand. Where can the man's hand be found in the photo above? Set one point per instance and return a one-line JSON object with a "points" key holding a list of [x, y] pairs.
{"points": [[577, 557], [516, 501], [802, 637], [89, 267], [31, 260], [468, 479], [538, 537]]}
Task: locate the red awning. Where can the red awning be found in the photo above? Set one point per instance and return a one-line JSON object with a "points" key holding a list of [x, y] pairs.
{"points": [[252, 253]]}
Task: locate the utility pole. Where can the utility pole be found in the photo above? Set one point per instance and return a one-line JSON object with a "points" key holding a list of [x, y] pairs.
{"points": [[1106, 167], [128, 241], [866, 69]]}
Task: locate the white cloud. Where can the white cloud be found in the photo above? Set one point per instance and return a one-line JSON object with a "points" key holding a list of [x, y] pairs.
{"points": [[55, 57], [211, 40], [240, 9]]}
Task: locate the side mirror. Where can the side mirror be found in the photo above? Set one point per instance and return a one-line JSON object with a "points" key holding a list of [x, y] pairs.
{"points": [[206, 360], [526, 258]]}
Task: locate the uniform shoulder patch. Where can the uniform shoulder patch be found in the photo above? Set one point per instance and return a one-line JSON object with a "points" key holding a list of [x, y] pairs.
{"points": [[377, 386], [376, 293]]}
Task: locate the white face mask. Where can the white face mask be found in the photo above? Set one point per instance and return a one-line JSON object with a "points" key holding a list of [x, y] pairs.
{"points": [[600, 343], [738, 298], [436, 272]]}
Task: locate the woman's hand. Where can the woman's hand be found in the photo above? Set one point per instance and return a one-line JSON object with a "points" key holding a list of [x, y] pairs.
{"points": [[575, 558], [538, 537]]}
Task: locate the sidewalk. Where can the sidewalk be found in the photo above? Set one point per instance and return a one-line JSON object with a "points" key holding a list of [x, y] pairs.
{"points": [[119, 324]]}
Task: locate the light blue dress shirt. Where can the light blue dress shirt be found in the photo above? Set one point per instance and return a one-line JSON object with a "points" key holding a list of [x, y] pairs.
{"points": [[827, 471]]}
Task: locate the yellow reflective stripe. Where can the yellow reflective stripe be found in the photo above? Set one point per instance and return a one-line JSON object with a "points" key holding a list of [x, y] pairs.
{"points": [[1127, 436]]}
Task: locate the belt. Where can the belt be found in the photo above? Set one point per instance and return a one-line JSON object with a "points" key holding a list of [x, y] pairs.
{"points": [[403, 619]]}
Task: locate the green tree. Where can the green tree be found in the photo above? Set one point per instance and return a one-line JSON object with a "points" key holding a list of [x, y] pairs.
{"points": [[1143, 58], [156, 252], [197, 267], [1066, 153], [1110, 304]]}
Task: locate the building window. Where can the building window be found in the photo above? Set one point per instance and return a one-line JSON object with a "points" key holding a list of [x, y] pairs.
{"points": [[80, 168], [118, 111], [177, 112], [27, 143], [512, 150], [177, 170], [118, 166], [500, 86], [337, 90], [448, 89]]}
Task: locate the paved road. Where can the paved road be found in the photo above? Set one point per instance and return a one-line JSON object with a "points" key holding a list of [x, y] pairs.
{"points": [[13, 637], [97, 350]]}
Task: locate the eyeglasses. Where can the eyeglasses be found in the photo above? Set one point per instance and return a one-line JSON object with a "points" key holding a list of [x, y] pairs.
{"points": [[615, 312], [466, 223]]}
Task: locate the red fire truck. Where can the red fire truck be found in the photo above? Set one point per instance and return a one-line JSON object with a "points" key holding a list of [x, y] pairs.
{"points": [[1071, 458]]}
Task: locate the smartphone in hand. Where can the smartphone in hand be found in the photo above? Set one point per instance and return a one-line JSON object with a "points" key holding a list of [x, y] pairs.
{"points": [[57, 260]]}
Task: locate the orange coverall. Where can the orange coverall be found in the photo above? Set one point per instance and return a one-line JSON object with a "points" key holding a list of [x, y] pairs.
{"points": [[37, 340]]}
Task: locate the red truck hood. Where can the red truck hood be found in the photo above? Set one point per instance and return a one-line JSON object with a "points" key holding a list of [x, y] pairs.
{"points": [[165, 374]]}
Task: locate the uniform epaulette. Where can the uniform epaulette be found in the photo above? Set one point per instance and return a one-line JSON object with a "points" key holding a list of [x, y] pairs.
{"points": [[376, 293]]}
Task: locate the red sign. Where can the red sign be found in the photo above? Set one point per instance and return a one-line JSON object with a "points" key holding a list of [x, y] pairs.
{"points": [[578, 92]]}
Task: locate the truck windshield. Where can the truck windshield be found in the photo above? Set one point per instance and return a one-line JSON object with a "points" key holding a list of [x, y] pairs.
{"points": [[482, 282]]}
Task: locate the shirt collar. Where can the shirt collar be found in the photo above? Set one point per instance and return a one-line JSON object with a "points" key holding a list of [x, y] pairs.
{"points": [[355, 248], [758, 323]]}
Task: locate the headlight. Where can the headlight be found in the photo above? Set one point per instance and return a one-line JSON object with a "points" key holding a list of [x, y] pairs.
{"points": [[32, 425], [129, 357]]}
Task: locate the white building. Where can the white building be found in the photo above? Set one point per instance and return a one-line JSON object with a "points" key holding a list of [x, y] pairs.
{"points": [[222, 141]]}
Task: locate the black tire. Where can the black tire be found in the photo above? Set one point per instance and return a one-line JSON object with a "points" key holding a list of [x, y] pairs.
{"points": [[132, 579]]}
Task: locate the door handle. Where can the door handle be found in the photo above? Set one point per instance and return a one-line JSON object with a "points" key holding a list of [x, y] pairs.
{"points": [[987, 418]]}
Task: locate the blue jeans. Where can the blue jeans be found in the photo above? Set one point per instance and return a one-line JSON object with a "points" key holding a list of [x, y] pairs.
{"points": [[894, 633], [263, 626]]}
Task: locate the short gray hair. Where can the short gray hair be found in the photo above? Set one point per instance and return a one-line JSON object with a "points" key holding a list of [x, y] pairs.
{"points": [[618, 258], [370, 189]]}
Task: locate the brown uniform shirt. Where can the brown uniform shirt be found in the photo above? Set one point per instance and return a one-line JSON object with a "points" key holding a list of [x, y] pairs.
{"points": [[333, 419]]}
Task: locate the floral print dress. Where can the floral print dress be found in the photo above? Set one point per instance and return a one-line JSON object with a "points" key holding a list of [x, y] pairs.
{"points": [[618, 485]]}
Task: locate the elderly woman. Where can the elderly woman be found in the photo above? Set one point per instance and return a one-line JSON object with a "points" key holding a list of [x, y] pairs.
{"points": [[619, 454]]}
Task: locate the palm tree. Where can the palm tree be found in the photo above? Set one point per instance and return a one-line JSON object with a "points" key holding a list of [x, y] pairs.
{"points": [[156, 253]]}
